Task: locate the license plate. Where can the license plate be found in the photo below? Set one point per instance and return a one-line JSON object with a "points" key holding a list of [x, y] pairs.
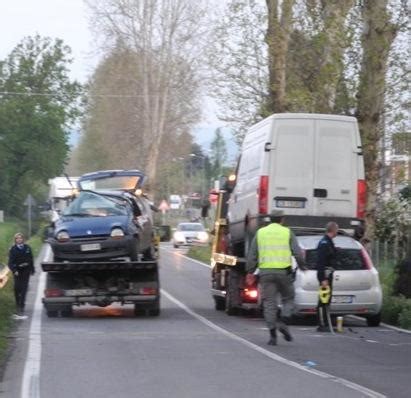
{"points": [[341, 299], [296, 204], [79, 292], [90, 247]]}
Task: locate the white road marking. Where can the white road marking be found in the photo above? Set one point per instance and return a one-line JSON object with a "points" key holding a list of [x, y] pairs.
{"points": [[364, 390], [30, 387], [371, 341]]}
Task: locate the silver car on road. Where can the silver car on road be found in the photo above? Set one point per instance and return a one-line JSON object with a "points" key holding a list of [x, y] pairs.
{"points": [[356, 284]]}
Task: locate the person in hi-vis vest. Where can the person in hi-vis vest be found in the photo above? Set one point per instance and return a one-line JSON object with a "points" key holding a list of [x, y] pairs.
{"points": [[270, 252]]}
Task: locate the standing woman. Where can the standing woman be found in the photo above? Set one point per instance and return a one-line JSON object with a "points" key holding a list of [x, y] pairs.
{"points": [[21, 265]]}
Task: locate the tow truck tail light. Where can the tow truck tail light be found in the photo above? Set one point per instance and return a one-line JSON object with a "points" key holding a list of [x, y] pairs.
{"points": [[148, 291], [263, 195], [250, 295], [53, 292]]}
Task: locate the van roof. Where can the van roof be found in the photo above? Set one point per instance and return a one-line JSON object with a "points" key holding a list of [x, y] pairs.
{"points": [[316, 116]]}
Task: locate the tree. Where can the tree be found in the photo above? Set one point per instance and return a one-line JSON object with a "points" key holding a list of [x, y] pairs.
{"points": [[280, 15], [377, 37], [165, 37], [38, 102], [218, 154], [237, 56]]}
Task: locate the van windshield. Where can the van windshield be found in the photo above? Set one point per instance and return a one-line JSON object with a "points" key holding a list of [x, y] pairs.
{"points": [[347, 260]]}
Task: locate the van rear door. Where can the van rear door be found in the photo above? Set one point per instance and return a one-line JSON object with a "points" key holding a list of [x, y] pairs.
{"points": [[291, 171], [334, 190]]}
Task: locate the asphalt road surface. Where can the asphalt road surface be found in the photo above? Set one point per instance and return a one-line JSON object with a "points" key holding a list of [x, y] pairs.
{"points": [[192, 351]]}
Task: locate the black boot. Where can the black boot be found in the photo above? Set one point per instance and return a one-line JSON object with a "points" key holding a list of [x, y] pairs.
{"points": [[284, 329], [273, 337]]}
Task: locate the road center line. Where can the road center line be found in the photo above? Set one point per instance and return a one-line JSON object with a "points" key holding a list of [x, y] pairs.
{"points": [[364, 390], [30, 387]]}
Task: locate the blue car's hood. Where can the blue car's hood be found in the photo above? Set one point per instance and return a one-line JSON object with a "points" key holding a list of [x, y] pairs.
{"points": [[90, 226]]}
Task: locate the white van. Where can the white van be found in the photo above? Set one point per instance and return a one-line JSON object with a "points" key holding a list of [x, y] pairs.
{"points": [[310, 166]]}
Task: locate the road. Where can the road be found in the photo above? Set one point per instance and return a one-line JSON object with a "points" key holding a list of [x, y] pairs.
{"points": [[193, 351]]}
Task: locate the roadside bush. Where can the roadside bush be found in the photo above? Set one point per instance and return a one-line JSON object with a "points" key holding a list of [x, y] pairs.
{"points": [[392, 307]]}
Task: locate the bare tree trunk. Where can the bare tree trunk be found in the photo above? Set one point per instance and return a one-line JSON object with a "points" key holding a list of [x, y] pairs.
{"points": [[280, 15], [377, 37], [333, 41]]}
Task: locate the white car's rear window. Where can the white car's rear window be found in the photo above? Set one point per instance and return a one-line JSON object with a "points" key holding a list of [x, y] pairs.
{"points": [[347, 259]]}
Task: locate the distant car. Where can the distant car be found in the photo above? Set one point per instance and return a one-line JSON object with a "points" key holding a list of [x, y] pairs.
{"points": [[356, 284], [188, 233], [110, 218]]}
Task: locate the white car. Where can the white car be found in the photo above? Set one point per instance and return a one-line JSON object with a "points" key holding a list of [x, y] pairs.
{"points": [[356, 285], [189, 233]]}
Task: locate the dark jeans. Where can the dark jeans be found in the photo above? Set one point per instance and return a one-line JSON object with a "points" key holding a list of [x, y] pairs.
{"points": [[21, 284]]}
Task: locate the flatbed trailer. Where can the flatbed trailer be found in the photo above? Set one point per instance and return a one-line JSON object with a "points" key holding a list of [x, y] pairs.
{"points": [[101, 283]]}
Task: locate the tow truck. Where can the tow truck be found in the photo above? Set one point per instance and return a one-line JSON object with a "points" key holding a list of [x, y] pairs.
{"points": [[228, 287]]}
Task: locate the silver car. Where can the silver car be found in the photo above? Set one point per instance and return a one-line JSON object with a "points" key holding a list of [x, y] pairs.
{"points": [[188, 233], [356, 284]]}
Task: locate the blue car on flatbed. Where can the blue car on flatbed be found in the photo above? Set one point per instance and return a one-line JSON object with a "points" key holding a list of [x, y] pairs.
{"points": [[103, 247]]}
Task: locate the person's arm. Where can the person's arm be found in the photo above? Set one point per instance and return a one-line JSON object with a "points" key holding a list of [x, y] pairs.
{"points": [[252, 257], [297, 252], [322, 253], [12, 261]]}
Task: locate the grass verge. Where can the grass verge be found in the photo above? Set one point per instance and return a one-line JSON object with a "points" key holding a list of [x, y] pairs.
{"points": [[7, 304], [7, 307], [200, 253]]}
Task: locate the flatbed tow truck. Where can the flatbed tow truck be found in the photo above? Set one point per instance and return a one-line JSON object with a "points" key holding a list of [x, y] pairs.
{"points": [[101, 283]]}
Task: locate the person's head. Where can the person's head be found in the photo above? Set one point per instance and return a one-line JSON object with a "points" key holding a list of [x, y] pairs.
{"points": [[331, 229], [19, 238], [277, 216]]}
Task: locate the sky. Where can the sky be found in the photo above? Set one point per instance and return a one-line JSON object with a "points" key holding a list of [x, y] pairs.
{"points": [[68, 20], [64, 19]]}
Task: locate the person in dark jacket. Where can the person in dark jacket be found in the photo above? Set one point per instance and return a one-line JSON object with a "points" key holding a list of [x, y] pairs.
{"points": [[327, 254], [21, 265]]}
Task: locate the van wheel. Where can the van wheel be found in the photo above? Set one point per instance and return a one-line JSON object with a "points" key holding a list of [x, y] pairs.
{"points": [[67, 312], [374, 320]]}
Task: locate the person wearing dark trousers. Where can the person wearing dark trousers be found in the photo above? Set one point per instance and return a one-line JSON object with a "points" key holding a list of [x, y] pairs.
{"points": [[21, 265], [271, 252], [326, 259]]}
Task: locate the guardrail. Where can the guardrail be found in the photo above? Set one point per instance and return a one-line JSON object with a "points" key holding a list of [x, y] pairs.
{"points": [[4, 275]]}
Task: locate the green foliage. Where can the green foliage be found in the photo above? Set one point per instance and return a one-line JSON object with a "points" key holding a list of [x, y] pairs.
{"points": [[393, 219], [37, 105], [404, 318]]}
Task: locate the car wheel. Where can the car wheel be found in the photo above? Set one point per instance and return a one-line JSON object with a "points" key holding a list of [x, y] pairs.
{"points": [[134, 250], [175, 246], [374, 320]]}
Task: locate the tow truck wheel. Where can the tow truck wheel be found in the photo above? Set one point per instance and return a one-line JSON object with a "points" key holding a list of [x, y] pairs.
{"points": [[154, 312], [51, 313], [67, 312], [219, 303]]}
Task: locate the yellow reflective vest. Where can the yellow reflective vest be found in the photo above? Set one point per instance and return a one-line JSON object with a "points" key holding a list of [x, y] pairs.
{"points": [[273, 243]]}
